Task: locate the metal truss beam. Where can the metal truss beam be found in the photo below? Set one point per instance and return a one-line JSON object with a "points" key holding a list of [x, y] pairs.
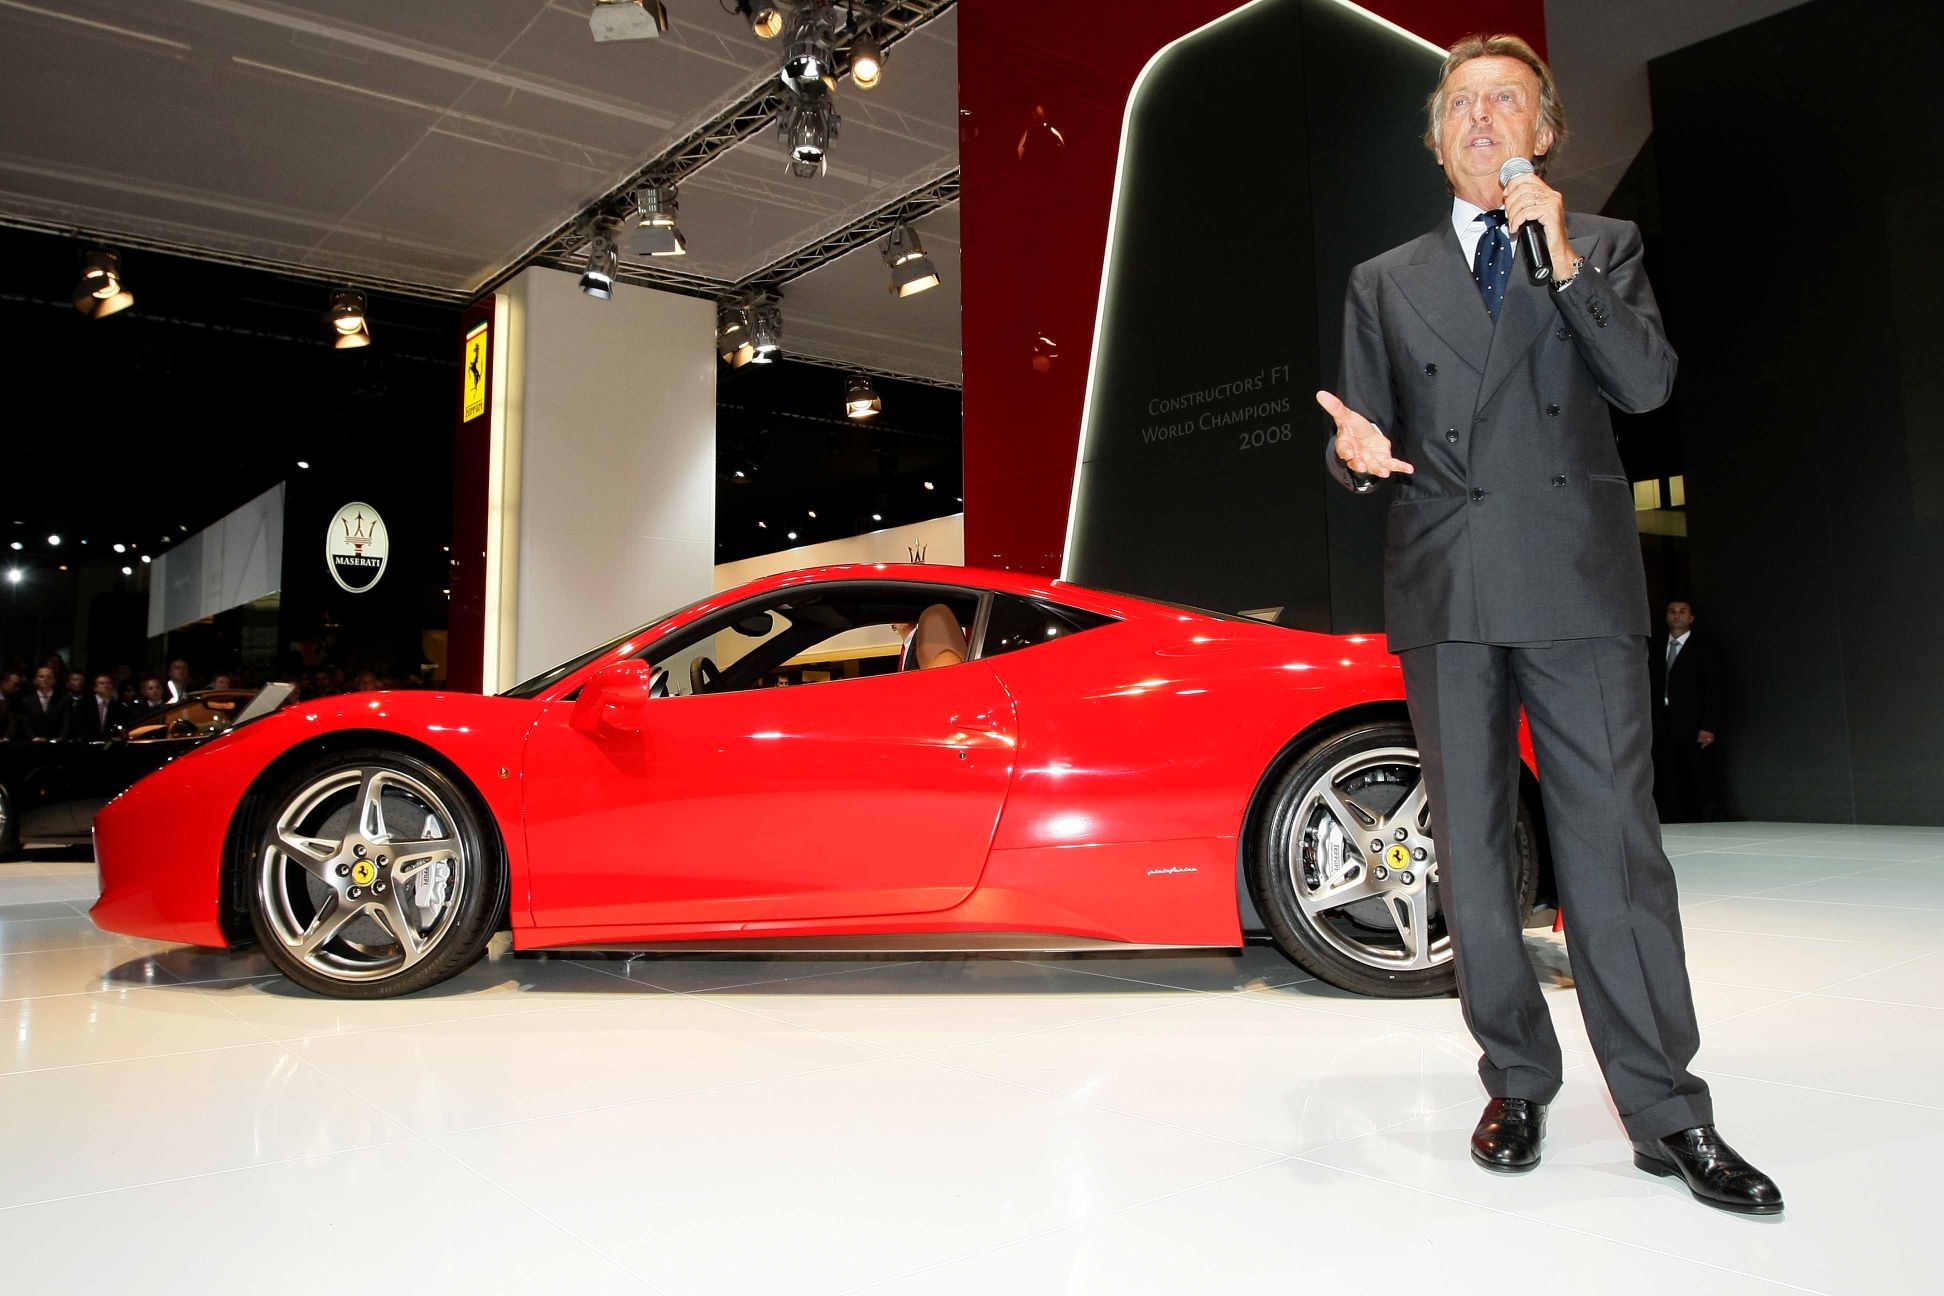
{"points": [[754, 111]]}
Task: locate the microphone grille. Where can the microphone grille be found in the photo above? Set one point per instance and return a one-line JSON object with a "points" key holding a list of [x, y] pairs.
{"points": [[1513, 169]]}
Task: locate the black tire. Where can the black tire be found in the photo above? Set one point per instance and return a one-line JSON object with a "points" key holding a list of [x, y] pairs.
{"points": [[1351, 946], [287, 895]]}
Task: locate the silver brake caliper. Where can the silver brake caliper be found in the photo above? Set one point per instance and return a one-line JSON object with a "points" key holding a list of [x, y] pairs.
{"points": [[1331, 859], [431, 885]]}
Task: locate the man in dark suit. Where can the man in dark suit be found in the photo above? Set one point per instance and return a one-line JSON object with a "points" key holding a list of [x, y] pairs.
{"points": [[99, 715], [1513, 578], [43, 709], [1685, 682]]}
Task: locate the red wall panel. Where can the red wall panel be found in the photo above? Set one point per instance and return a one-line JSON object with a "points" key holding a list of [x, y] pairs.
{"points": [[1040, 109]]}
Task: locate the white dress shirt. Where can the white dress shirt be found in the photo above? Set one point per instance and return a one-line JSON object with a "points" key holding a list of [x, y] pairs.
{"points": [[1674, 647], [1464, 219]]}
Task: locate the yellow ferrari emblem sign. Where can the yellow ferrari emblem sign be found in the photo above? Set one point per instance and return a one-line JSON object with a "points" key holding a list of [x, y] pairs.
{"points": [[363, 871], [1397, 857], [476, 369]]}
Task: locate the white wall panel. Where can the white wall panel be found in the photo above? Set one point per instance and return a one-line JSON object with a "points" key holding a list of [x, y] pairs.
{"points": [[616, 493]]}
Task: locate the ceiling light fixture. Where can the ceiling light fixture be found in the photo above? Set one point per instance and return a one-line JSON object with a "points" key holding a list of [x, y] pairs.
{"points": [[911, 270], [866, 53], [603, 261], [146, 560], [347, 316], [732, 335], [655, 233], [626, 20], [100, 292], [54, 540], [128, 571], [809, 52], [13, 575], [765, 20], [861, 400], [807, 128], [765, 329]]}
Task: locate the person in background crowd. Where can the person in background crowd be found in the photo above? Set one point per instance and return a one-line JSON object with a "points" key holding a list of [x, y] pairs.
{"points": [[124, 674], [154, 697], [96, 716], [126, 692], [221, 680], [1687, 696], [179, 687], [77, 685], [367, 682], [320, 683], [44, 710], [11, 685], [339, 681]]}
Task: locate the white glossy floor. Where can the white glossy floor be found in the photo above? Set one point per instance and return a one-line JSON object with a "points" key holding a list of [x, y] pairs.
{"points": [[176, 1120]]}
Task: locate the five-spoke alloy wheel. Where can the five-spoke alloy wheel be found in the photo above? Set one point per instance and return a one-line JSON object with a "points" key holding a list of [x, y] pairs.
{"points": [[373, 876], [1344, 866]]}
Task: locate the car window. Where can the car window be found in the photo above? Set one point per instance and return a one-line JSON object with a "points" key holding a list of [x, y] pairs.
{"points": [[197, 717], [1016, 623], [817, 635]]}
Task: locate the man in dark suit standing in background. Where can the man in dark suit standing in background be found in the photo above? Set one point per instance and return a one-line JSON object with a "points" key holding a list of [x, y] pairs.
{"points": [[1685, 680], [43, 713], [1513, 578], [97, 715]]}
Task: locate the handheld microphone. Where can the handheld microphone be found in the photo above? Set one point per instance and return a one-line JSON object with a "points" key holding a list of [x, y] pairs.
{"points": [[1532, 235]]}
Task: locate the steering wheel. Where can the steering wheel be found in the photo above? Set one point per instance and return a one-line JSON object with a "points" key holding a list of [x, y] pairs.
{"points": [[702, 675]]}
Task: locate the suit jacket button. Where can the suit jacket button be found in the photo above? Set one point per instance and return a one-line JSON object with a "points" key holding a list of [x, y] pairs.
{"points": [[1451, 435], [1430, 371], [1478, 493], [1564, 335], [1559, 480], [1553, 410]]}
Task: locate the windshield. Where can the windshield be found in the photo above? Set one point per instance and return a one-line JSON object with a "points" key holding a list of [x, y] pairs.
{"points": [[548, 678]]}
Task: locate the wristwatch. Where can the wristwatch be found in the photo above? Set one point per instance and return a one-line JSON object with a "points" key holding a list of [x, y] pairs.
{"points": [[1560, 285]]}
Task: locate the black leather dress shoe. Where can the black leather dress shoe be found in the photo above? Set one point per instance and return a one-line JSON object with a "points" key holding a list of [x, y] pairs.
{"points": [[1509, 1134], [1714, 1172]]}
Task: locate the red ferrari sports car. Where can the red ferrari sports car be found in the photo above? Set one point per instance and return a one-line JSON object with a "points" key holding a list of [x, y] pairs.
{"points": [[900, 757]]}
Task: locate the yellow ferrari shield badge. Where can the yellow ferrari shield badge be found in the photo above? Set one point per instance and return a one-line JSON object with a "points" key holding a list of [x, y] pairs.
{"points": [[1397, 856], [363, 871]]}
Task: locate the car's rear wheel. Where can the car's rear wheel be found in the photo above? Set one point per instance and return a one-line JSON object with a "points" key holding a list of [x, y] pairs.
{"points": [[373, 876], [1344, 865]]}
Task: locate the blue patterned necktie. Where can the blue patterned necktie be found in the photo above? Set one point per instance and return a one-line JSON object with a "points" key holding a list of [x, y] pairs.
{"points": [[1492, 263]]}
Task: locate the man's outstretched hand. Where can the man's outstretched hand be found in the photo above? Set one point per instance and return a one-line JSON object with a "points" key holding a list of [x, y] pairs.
{"points": [[1359, 444]]}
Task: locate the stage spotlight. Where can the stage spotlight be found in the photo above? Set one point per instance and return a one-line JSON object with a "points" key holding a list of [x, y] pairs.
{"points": [[100, 292], [146, 560], [807, 128], [347, 316], [765, 330], [866, 54], [603, 259], [16, 546], [766, 20], [655, 233], [809, 54], [929, 486], [732, 335], [911, 270], [54, 541], [128, 571], [121, 548], [13, 575], [624, 20], [861, 400]]}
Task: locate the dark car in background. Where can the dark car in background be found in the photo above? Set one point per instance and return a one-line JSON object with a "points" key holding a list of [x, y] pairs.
{"points": [[50, 791]]}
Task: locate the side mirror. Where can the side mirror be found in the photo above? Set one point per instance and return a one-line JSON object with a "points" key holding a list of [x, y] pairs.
{"points": [[613, 700]]}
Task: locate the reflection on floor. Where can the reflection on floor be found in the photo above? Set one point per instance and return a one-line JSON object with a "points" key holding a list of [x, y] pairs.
{"points": [[174, 1118]]}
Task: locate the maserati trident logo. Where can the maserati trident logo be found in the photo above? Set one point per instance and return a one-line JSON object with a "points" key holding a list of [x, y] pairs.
{"points": [[357, 547], [917, 552]]}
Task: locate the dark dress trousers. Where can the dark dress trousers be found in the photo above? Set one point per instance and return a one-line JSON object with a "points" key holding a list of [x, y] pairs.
{"points": [[1687, 782], [1512, 578]]}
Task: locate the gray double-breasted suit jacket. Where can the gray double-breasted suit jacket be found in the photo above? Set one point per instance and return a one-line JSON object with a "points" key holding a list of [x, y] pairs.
{"points": [[1518, 525]]}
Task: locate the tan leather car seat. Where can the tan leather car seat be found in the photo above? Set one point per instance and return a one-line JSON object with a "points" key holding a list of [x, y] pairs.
{"points": [[939, 641]]}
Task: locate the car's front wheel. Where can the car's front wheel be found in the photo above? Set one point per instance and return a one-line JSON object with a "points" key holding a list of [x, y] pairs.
{"points": [[1344, 866], [373, 876]]}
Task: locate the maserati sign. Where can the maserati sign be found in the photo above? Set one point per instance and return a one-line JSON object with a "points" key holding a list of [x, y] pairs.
{"points": [[357, 547]]}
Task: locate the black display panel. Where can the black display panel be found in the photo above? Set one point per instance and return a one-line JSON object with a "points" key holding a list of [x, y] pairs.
{"points": [[1265, 156]]}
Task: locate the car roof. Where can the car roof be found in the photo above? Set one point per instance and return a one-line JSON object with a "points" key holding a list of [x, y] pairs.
{"points": [[1022, 584]]}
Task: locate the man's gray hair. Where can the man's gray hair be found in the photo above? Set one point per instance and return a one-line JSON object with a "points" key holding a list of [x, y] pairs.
{"points": [[1552, 114]]}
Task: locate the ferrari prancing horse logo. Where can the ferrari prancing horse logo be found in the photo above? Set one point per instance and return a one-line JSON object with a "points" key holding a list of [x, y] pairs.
{"points": [[1397, 857], [363, 872]]}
